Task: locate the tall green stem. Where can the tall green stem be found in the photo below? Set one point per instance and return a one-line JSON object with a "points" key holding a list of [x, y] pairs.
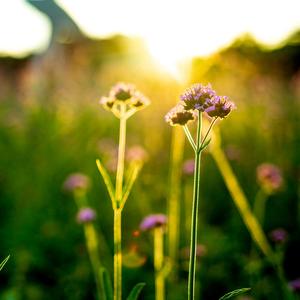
{"points": [[117, 210], [117, 255], [158, 263], [194, 224], [121, 154]]}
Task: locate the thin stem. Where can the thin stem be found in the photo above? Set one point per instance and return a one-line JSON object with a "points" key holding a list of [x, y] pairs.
{"points": [[117, 210], [189, 137], [117, 255], [92, 245], [208, 131], [194, 222], [259, 206], [121, 155], [158, 263]]}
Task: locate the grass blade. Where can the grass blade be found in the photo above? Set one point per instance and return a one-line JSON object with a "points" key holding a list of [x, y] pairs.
{"points": [[135, 292], [235, 293], [106, 284], [107, 181], [4, 262]]}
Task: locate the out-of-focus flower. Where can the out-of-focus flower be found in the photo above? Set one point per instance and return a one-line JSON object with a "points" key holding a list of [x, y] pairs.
{"points": [[179, 116], [188, 167], [278, 235], [107, 102], [76, 182], [269, 177], [220, 107], [136, 153], [124, 93], [132, 258], [152, 221], [200, 251], [295, 285], [198, 97], [138, 100], [86, 215]]}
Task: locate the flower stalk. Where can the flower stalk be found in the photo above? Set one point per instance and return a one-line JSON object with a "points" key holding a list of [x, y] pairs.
{"points": [[194, 101], [158, 263], [123, 101], [117, 209], [195, 207]]}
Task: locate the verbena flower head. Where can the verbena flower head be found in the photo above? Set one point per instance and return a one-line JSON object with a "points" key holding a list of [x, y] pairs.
{"points": [[278, 235], [198, 97], [124, 93], [220, 107], [86, 215], [152, 221], [76, 182], [269, 177], [178, 115]]}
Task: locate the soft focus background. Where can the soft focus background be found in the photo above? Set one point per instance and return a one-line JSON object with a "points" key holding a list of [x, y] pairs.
{"points": [[58, 58]]}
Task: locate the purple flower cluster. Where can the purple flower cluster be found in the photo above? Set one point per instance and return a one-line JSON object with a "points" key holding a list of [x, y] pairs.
{"points": [[198, 97], [124, 93], [269, 177], [152, 221], [86, 215], [201, 98], [179, 116], [76, 181]]}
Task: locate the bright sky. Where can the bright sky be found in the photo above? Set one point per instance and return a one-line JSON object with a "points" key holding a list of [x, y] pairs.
{"points": [[172, 29]]}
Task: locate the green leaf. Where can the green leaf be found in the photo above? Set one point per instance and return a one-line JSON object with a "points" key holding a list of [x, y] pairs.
{"points": [[107, 181], [106, 284], [205, 144], [135, 292], [4, 262], [133, 174], [234, 293]]}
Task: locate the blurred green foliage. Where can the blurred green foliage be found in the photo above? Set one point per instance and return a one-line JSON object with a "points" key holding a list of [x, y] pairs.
{"points": [[51, 125]]}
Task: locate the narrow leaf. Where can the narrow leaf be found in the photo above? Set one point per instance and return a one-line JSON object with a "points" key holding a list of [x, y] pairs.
{"points": [[205, 144], [135, 292], [133, 174], [234, 293], [107, 181], [106, 284], [4, 262]]}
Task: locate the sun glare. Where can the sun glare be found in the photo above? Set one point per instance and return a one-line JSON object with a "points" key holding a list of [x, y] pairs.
{"points": [[173, 30]]}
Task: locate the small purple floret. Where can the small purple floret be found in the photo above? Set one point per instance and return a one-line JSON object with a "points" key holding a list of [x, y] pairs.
{"points": [[188, 167], [269, 176], [152, 221], [76, 181], [278, 235], [179, 116], [220, 107], [86, 215]]}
